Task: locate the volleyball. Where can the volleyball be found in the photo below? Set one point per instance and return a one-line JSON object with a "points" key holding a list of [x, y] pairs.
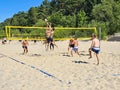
{"points": [[46, 20]]}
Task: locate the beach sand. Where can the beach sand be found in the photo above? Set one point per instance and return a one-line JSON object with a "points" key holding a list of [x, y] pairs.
{"points": [[55, 70]]}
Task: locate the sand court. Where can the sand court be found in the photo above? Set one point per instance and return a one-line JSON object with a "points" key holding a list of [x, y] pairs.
{"points": [[55, 70]]}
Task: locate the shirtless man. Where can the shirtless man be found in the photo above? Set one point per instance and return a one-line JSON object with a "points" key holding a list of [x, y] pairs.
{"points": [[75, 48], [48, 36], [4, 40], [52, 44], [71, 45], [24, 46], [95, 47]]}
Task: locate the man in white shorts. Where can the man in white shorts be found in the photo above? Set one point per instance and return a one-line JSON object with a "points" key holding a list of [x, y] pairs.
{"points": [[75, 48]]}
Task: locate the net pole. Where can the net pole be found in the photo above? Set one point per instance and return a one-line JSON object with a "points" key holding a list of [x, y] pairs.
{"points": [[9, 31], [99, 33], [6, 29]]}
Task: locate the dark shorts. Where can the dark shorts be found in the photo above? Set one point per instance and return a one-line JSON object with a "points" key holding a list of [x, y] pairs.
{"points": [[5, 40], [96, 50], [49, 40], [25, 47]]}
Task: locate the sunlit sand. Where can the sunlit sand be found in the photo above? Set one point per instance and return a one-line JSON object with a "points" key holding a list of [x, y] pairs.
{"points": [[56, 70]]}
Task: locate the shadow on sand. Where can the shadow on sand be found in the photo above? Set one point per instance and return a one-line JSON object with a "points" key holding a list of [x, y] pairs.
{"points": [[36, 55], [80, 62]]}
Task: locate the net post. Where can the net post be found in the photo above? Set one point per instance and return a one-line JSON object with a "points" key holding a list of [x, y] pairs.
{"points": [[6, 30], [99, 33], [95, 31]]}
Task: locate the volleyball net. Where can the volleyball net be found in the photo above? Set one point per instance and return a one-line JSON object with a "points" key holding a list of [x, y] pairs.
{"points": [[38, 33]]}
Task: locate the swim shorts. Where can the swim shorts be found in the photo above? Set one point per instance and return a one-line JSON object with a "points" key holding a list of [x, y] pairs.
{"points": [[24, 47], [96, 50], [75, 49]]}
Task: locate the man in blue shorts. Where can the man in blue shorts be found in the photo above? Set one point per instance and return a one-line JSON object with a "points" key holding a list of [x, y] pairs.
{"points": [[95, 47]]}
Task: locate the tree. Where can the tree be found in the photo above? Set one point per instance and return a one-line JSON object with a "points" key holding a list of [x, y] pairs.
{"points": [[71, 13], [32, 16], [82, 19], [103, 13], [88, 6], [19, 19], [107, 12], [44, 10]]}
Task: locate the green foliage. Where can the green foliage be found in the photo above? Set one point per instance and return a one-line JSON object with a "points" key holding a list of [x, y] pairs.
{"points": [[40, 23], [59, 20], [2, 34], [100, 25], [108, 14], [69, 13], [83, 33], [81, 17], [19, 19], [32, 16]]}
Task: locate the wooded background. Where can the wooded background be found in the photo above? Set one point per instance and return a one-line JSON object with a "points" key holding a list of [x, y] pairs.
{"points": [[104, 14]]}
